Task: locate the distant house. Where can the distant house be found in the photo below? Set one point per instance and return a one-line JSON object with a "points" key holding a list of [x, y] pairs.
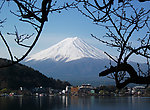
{"points": [[68, 89], [74, 90], [86, 86], [129, 91], [63, 92], [86, 89], [138, 90], [42, 91], [92, 91]]}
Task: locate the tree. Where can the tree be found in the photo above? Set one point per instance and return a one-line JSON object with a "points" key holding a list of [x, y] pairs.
{"points": [[103, 8], [122, 21], [33, 12]]}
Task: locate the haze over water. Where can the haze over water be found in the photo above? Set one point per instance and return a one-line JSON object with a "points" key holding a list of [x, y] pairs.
{"points": [[74, 103]]}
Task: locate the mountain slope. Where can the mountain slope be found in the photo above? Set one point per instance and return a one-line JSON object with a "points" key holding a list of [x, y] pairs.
{"points": [[71, 59], [68, 50], [20, 75]]}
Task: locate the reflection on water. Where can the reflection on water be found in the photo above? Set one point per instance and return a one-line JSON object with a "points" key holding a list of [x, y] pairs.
{"points": [[74, 103]]}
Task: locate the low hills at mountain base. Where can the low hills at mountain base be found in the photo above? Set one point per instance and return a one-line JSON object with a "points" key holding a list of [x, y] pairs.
{"points": [[19, 75]]}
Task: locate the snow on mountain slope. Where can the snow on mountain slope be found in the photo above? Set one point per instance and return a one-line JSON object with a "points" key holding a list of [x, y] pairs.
{"points": [[68, 50]]}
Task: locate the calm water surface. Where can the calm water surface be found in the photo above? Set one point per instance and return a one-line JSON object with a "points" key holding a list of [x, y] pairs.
{"points": [[74, 103]]}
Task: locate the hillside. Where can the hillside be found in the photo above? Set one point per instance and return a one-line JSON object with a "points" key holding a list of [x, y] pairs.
{"points": [[20, 75]]}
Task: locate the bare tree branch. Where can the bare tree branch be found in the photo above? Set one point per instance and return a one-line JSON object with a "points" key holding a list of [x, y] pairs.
{"points": [[34, 15], [10, 53], [121, 26]]}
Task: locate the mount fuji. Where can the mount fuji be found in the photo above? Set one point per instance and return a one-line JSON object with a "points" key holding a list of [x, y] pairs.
{"points": [[71, 59], [68, 50]]}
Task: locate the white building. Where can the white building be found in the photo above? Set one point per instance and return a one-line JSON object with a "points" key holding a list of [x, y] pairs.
{"points": [[138, 89]]}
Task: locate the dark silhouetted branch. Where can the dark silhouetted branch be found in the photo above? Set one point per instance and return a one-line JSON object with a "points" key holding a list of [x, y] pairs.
{"points": [[134, 78], [8, 48]]}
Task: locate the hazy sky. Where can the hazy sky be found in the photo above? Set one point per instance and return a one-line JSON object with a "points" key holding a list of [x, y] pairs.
{"points": [[60, 26]]}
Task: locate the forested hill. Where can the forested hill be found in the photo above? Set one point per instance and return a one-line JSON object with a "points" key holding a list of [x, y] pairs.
{"points": [[20, 75]]}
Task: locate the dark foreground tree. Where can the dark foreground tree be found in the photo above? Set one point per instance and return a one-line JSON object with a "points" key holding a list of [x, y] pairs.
{"points": [[32, 12], [123, 22]]}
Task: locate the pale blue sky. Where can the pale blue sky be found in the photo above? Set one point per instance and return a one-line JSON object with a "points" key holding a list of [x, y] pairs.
{"points": [[60, 26]]}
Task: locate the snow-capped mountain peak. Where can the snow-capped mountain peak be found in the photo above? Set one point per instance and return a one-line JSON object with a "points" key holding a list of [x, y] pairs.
{"points": [[68, 50]]}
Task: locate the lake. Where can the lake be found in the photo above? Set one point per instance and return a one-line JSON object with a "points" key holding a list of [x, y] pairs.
{"points": [[74, 103]]}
